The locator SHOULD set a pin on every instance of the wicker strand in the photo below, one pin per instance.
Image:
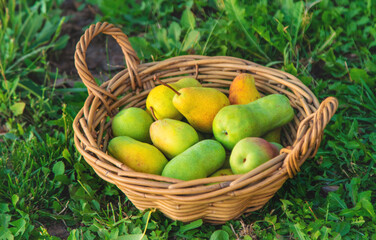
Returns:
(130, 55)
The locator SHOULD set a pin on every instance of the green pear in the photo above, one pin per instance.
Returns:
(198, 161)
(160, 99)
(199, 105)
(141, 157)
(250, 153)
(133, 122)
(222, 172)
(235, 122)
(273, 135)
(172, 137)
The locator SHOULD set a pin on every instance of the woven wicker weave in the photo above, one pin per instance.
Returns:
(230, 196)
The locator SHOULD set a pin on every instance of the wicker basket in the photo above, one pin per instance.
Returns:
(186, 201)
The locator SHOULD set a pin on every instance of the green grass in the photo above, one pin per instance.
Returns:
(329, 45)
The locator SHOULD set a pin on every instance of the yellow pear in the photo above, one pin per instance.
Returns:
(222, 172)
(141, 157)
(199, 105)
(172, 137)
(243, 89)
(160, 99)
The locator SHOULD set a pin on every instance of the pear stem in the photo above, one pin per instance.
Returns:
(165, 84)
(153, 114)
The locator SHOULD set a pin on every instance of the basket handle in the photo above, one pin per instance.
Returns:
(309, 136)
(130, 55)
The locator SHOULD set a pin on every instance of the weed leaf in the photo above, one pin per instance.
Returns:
(174, 31)
(296, 228)
(66, 155)
(336, 200)
(4, 208)
(191, 226)
(357, 75)
(192, 38)
(343, 228)
(220, 235)
(365, 201)
(58, 168)
(19, 226)
(353, 189)
(17, 108)
(188, 19)
(15, 199)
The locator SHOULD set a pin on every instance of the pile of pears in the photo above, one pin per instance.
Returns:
(190, 132)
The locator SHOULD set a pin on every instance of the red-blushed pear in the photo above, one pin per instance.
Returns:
(278, 146)
(250, 153)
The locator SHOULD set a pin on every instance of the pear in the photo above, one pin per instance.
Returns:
(243, 89)
(250, 153)
(235, 122)
(160, 99)
(198, 161)
(273, 135)
(199, 105)
(133, 122)
(141, 157)
(172, 137)
(277, 145)
(222, 172)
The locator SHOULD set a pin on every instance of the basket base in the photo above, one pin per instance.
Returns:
(218, 212)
